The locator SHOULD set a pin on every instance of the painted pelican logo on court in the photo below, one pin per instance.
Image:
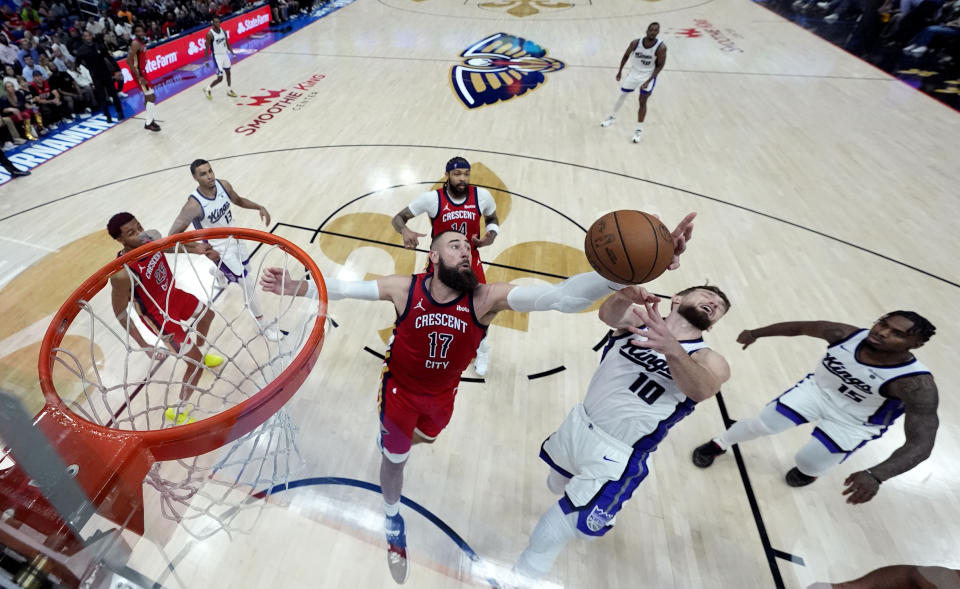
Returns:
(499, 68)
(524, 8)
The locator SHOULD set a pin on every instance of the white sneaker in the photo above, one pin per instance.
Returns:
(832, 18)
(219, 278)
(823, 5)
(231, 93)
(607, 121)
(122, 94)
(482, 363)
(208, 94)
(271, 333)
(637, 135)
(7, 145)
(918, 51)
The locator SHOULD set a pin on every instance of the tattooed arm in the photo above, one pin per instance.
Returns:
(920, 397)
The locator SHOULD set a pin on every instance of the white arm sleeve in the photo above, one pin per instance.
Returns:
(337, 289)
(425, 203)
(488, 206)
(570, 296)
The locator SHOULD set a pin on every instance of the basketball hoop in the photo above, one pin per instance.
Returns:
(116, 431)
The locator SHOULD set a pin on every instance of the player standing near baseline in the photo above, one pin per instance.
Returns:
(441, 319)
(137, 60)
(456, 206)
(218, 45)
(646, 57)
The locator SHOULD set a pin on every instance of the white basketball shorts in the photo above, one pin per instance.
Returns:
(603, 471)
(223, 61)
(836, 429)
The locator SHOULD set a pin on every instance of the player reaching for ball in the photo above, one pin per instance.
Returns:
(441, 319)
(652, 374)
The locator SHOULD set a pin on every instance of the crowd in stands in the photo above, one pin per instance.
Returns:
(58, 62)
(923, 29)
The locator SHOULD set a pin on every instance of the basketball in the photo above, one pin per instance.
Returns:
(629, 247)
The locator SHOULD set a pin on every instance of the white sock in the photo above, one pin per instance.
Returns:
(391, 510)
(618, 104)
(547, 540)
(150, 106)
(249, 284)
(484, 347)
(767, 423)
(639, 127)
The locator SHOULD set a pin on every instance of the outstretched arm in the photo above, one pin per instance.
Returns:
(825, 330)
(920, 398)
(394, 288)
(617, 310)
(246, 203)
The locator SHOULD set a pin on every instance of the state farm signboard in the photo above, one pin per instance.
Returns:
(167, 57)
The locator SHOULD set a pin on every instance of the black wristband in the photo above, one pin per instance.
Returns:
(879, 482)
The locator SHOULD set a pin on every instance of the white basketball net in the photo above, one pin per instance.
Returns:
(106, 377)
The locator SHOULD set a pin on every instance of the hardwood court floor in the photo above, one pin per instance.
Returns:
(825, 190)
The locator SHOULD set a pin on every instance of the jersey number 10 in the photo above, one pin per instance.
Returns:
(647, 390)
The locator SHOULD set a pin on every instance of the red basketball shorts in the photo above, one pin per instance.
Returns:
(182, 311)
(403, 413)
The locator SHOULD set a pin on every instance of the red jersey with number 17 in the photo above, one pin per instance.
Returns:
(433, 343)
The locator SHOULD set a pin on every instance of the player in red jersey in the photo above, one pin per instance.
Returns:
(441, 318)
(137, 61)
(183, 311)
(456, 207)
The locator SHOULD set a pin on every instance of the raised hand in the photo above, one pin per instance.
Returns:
(278, 281)
(656, 336)
(639, 295)
(265, 216)
(861, 486)
(487, 239)
(411, 239)
(681, 235)
(746, 338)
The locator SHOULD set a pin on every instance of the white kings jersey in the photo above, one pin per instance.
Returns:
(216, 210)
(219, 42)
(632, 396)
(216, 213)
(856, 388)
(643, 60)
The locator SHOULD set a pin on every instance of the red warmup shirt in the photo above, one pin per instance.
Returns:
(433, 343)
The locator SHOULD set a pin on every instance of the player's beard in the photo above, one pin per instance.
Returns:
(695, 316)
(458, 280)
(457, 190)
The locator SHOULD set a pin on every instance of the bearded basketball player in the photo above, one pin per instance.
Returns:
(441, 318)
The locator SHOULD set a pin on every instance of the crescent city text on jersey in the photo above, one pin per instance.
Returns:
(461, 214)
(441, 319)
